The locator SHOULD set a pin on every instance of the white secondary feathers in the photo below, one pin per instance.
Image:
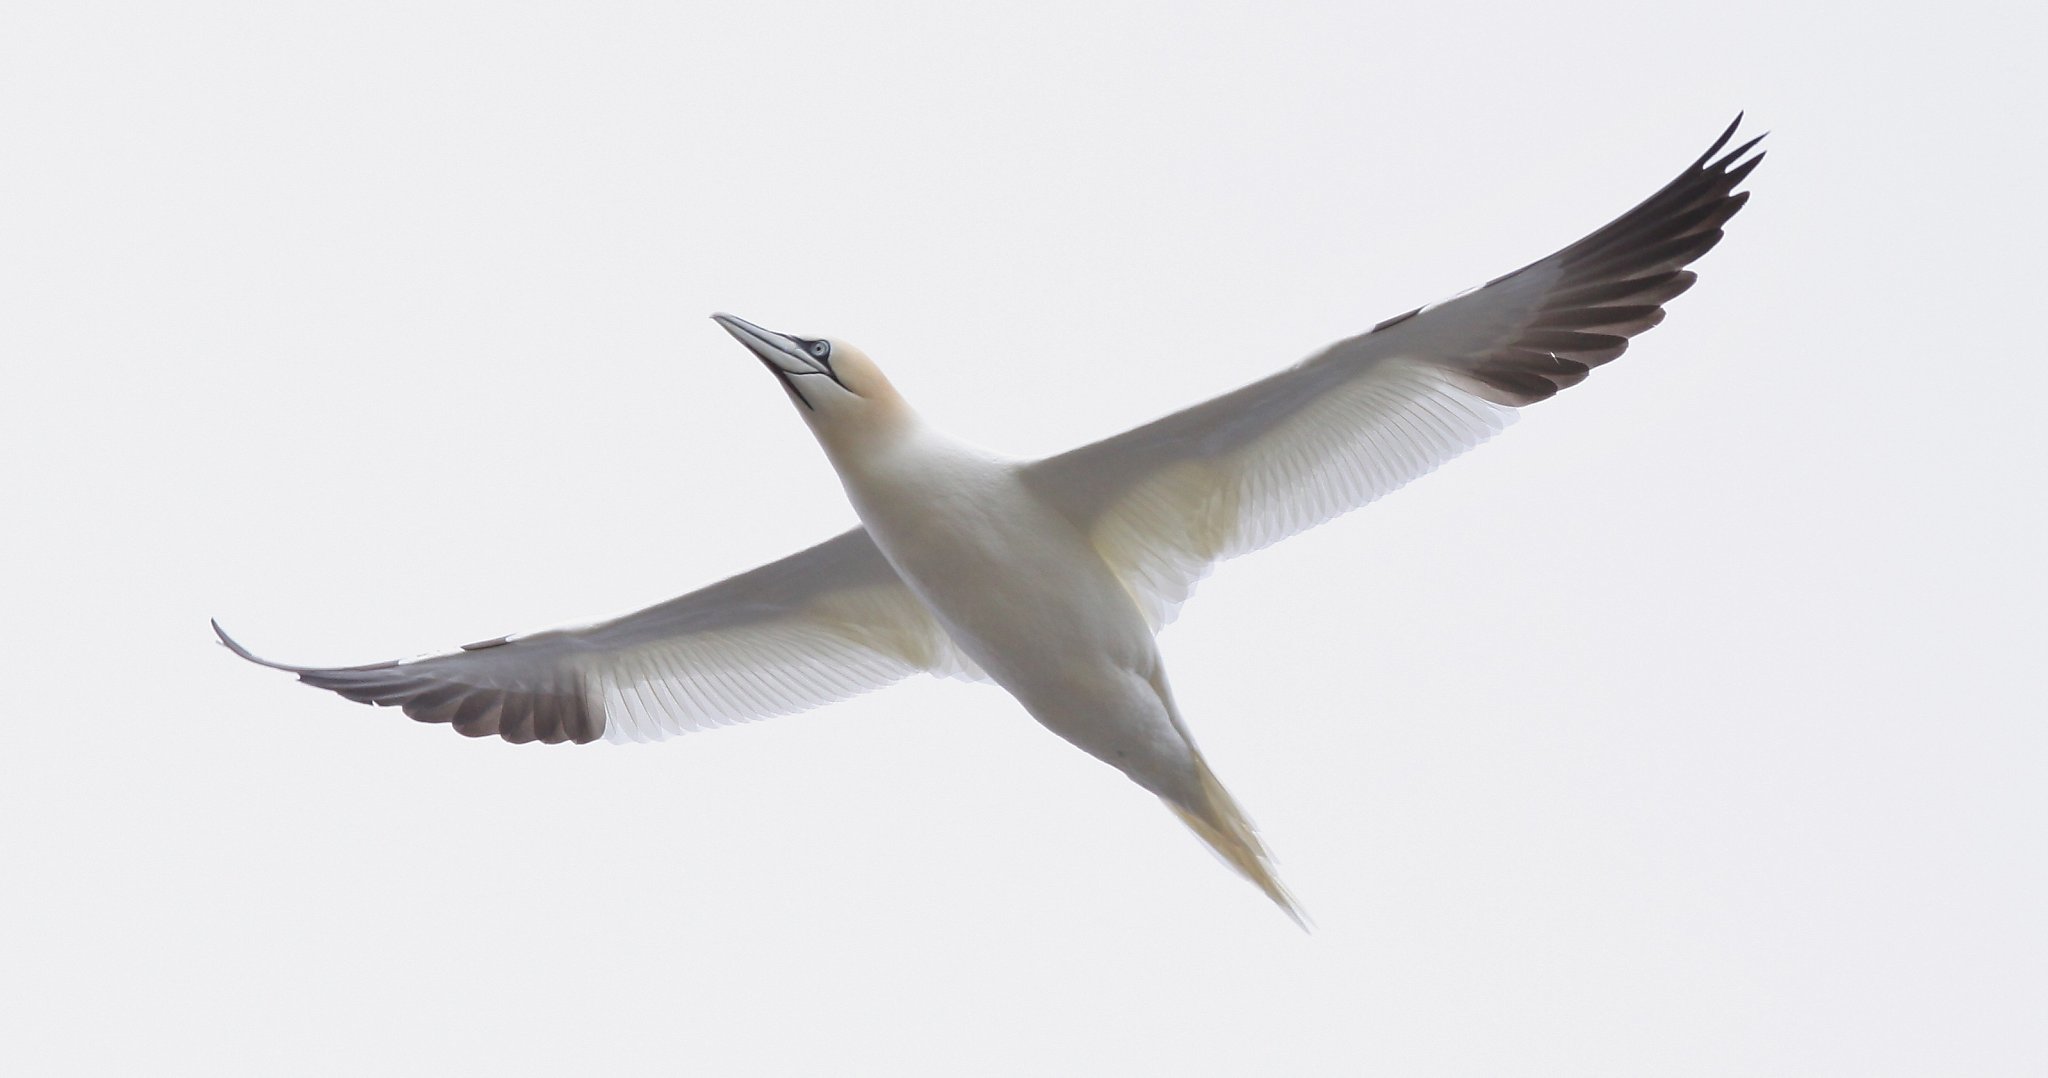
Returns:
(1370, 413)
(962, 557)
(821, 625)
(1166, 502)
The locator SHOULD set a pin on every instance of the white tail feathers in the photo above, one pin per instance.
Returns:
(1227, 830)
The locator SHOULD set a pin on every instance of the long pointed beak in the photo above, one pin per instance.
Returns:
(780, 351)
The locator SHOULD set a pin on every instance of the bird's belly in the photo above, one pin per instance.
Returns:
(1027, 597)
(1015, 584)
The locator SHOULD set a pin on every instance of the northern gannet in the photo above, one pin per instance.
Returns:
(1052, 577)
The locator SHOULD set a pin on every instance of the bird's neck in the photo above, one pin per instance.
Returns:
(876, 432)
(896, 446)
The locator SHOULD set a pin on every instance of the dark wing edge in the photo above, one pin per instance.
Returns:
(1266, 467)
(1609, 286)
(546, 702)
(1513, 341)
(571, 684)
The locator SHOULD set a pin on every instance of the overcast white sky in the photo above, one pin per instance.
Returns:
(1693, 727)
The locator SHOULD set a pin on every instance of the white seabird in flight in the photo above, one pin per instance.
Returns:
(1051, 577)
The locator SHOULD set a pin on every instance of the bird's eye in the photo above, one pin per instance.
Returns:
(819, 348)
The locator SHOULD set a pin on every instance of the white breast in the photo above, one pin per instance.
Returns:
(1020, 589)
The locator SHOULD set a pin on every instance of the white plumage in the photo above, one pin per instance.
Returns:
(1051, 577)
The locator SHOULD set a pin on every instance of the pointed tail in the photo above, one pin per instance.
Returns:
(1227, 830)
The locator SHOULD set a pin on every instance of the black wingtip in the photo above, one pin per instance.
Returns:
(229, 642)
(1741, 172)
(1719, 142)
(1735, 154)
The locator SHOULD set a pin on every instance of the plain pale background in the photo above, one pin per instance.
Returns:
(1693, 727)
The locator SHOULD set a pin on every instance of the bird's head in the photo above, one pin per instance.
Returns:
(835, 385)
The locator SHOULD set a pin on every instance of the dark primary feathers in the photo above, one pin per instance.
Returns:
(520, 700)
(820, 625)
(1162, 503)
(1167, 500)
(1613, 284)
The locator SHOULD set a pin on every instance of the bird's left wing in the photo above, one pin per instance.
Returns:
(1166, 501)
(820, 625)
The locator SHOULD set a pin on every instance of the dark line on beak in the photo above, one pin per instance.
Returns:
(789, 383)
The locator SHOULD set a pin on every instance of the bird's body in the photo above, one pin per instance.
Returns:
(1051, 577)
(1022, 592)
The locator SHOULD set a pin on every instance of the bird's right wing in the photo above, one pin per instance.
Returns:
(820, 625)
(1166, 501)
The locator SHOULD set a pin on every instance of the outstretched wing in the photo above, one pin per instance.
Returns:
(1166, 501)
(821, 625)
